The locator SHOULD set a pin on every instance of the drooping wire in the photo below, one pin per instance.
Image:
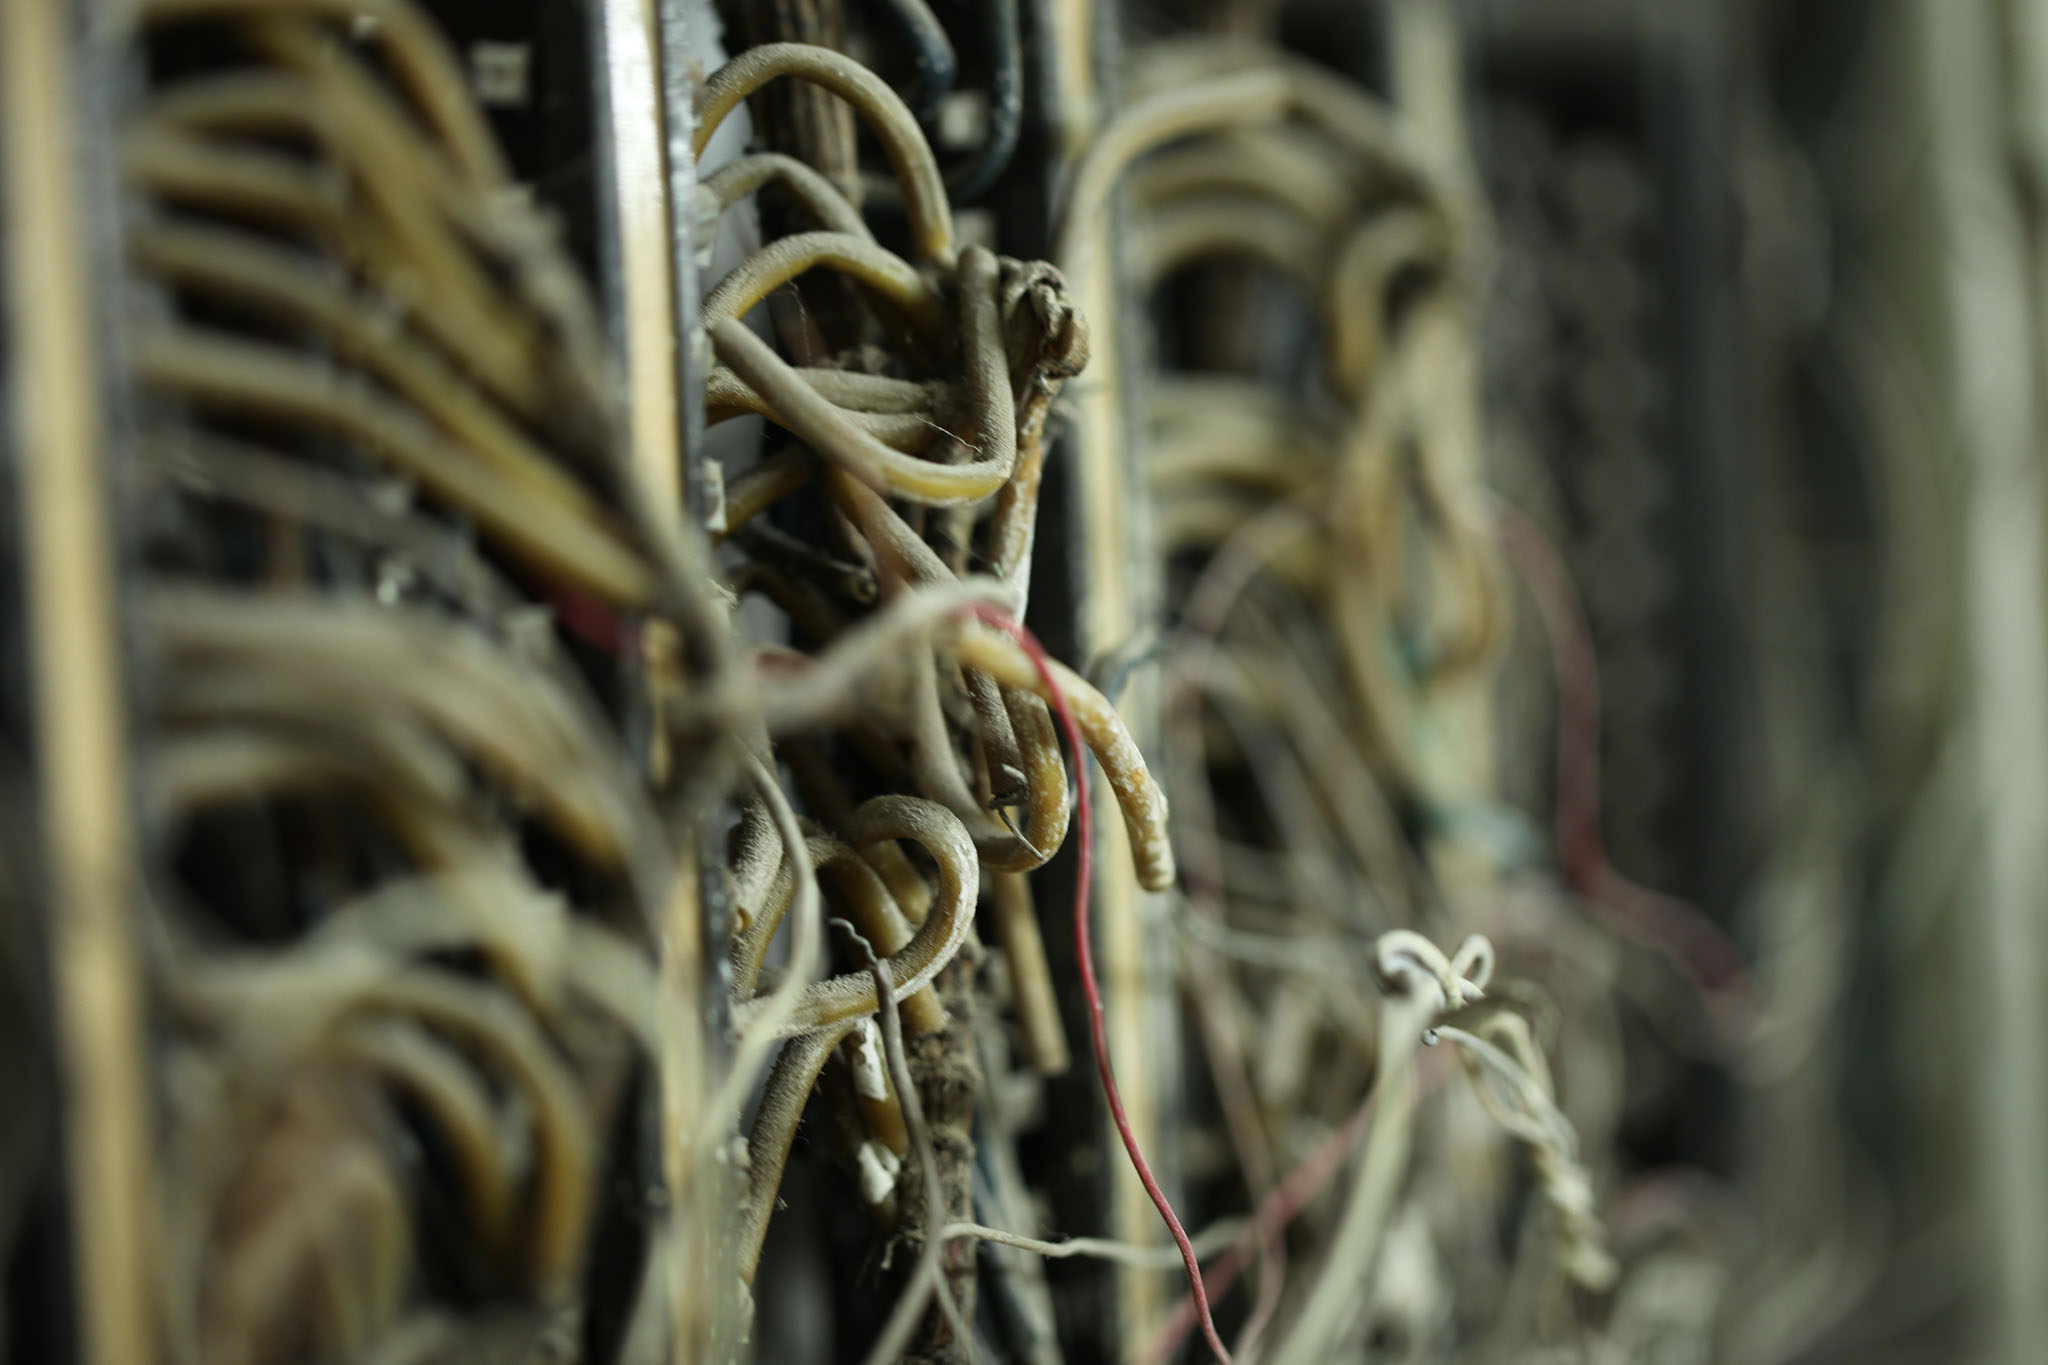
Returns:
(1709, 960)
(1085, 956)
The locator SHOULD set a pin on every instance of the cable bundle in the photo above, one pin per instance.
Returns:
(380, 438)
(1328, 547)
(924, 444)
(411, 603)
(413, 599)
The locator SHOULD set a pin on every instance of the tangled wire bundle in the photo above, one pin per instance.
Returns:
(441, 701)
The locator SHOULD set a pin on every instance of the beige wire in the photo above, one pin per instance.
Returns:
(335, 983)
(1420, 984)
(882, 272)
(825, 794)
(546, 954)
(331, 101)
(910, 565)
(254, 181)
(1272, 163)
(214, 370)
(924, 189)
(861, 672)
(289, 284)
(874, 911)
(1223, 453)
(726, 396)
(768, 1016)
(1209, 1242)
(881, 1108)
(760, 488)
(1013, 525)
(868, 395)
(1035, 1001)
(936, 771)
(1254, 96)
(939, 832)
(1048, 802)
(774, 1132)
(1210, 521)
(817, 195)
(535, 294)
(1212, 226)
(1254, 409)
(1367, 264)
(1328, 749)
(985, 362)
(466, 899)
(929, 1276)
(286, 487)
(278, 190)
(327, 657)
(903, 559)
(398, 185)
(317, 1203)
(1365, 129)
(566, 1157)
(823, 427)
(440, 1079)
(417, 51)
(1138, 794)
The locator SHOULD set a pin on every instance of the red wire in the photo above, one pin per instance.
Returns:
(1085, 953)
(1708, 958)
(1663, 922)
(1276, 1211)
(590, 620)
(1309, 1178)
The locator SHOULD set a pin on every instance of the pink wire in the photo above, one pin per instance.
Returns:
(1708, 958)
(1309, 1178)
(1085, 953)
(1276, 1211)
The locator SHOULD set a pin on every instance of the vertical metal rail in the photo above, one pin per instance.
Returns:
(82, 761)
(647, 260)
(635, 239)
(679, 80)
(698, 1198)
(1119, 592)
(1980, 277)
